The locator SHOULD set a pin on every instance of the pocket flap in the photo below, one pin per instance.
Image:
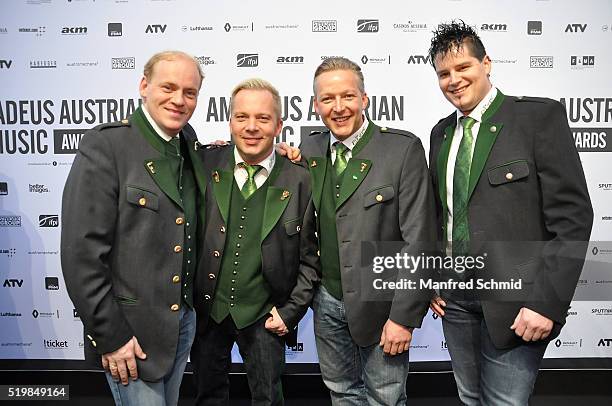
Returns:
(142, 198)
(293, 226)
(509, 172)
(379, 195)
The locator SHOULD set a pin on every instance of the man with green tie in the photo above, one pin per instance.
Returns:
(370, 183)
(509, 185)
(259, 265)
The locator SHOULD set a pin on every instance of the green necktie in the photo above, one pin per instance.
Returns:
(340, 162)
(461, 181)
(250, 186)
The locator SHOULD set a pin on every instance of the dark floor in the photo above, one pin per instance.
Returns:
(558, 388)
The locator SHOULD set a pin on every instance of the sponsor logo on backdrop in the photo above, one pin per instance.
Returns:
(6, 63)
(128, 62)
(115, 29)
(582, 282)
(290, 60)
(66, 141)
(376, 59)
(197, 28)
(534, 27)
(503, 60)
(82, 64)
(576, 28)
(592, 139)
(582, 61)
(10, 221)
(571, 312)
(9, 252)
(443, 346)
(42, 252)
(540, 62)
(9, 344)
(10, 314)
(418, 60)
(419, 347)
(600, 251)
(48, 220)
(238, 27)
(12, 283)
(602, 311)
(494, 27)
(55, 344)
(604, 342)
(324, 57)
(601, 186)
(291, 352)
(3, 30)
(568, 343)
(43, 64)
(36, 314)
(36, 31)
(74, 31)
(75, 314)
(156, 28)
(367, 25)
(434, 316)
(38, 2)
(205, 60)
(606, 218)
(283, 27)
(247, 60)
(411, 26)
(3, 188)
(52, 283)
(324, 25)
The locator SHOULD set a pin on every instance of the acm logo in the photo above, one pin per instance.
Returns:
(74, 30)
(494, 27)
(247, 60)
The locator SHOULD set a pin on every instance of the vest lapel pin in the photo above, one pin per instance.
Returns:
(363, 167)
(313, 164)
(216, 176)
(285, 194)
(151, 167)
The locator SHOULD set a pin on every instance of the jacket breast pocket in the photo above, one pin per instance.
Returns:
(142, 198)
(294, 226)
(508, 172)
(379, 195)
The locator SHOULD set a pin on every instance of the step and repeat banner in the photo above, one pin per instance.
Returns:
(68, 65)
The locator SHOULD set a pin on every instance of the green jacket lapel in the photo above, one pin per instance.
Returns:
(484, 142)
(318, 168)
(222, 182)
(163, 169)
(355, 172)
(277, 199)
(442, 164)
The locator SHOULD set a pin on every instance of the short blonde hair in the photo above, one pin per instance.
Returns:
(258, 84)
(340, 63)
(170, 56)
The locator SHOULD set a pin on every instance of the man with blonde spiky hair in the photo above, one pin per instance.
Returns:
(259, 265)
(130, 211)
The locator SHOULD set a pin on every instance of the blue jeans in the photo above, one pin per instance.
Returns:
(354, 375)
(484, 374)
(164, 392)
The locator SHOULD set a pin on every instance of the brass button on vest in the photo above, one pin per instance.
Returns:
(179, 220)
(176, 279)
(174, 307)
(178, 248)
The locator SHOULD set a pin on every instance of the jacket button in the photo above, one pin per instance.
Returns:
(216, 254)
(379, 198)
(206, 297)
(179, 220)
(211, 276)
(509, 176)
(174, 307)
(298, 228)
(222, 229)
(94, 344)
(176, 279)
(142, 201)
(493, 128)
(178, 248)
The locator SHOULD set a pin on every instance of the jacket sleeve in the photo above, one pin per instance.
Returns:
(89, 213)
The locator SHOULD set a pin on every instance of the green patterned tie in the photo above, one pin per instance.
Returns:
(250, 186)
(340, 162)
(461, 181)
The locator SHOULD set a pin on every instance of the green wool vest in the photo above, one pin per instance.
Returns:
(330, 263)
(242, 291)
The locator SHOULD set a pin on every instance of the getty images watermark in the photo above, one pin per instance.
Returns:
(408, 264)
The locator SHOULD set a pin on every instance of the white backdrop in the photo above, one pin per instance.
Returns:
(67, 65)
